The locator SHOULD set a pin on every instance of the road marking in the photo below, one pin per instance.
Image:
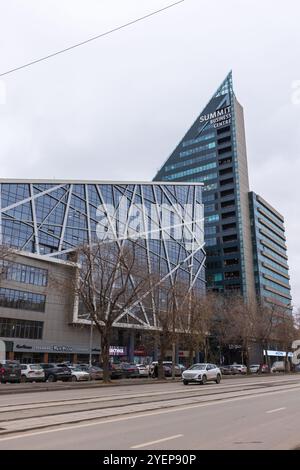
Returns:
(275, 411)
(146, 444)
(136, 416)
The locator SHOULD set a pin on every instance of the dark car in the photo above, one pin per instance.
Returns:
(54, 372)
(129, 370)
(10, 371)
(229, 370)
(116, 371)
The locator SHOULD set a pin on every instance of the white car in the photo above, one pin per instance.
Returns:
(278, 366)
(143, 370)
(78, 375)
(240, 368)
(254, 368)
(32, 373)
(202, 373)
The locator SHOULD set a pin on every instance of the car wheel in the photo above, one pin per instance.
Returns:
(185, 382)
(51, 378)
(204, 380)
(218, 379)
(23, 379)
(73, 378)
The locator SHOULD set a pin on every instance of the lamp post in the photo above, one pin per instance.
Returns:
(91, 340)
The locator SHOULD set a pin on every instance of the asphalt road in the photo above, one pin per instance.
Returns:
(245, 413)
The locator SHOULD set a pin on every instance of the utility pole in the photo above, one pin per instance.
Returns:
(91, 341)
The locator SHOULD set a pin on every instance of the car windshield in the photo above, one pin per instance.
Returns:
(198, 367)
(35, 367)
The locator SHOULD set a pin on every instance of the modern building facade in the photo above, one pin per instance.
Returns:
(271, 268)
(213, 151)
(45, 221)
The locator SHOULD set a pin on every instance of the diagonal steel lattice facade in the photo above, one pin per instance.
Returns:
(52, 218)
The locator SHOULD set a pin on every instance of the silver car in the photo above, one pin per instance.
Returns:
(32, 373)
(202, 373)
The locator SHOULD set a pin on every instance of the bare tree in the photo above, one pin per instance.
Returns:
(167, 304)
(110, 282)
(6, 259)
(197, 322)
(285, 333)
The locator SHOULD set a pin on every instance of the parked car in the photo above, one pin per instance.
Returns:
(167, 365)
(255, 368)
(116, 371)
(264, 369)
(96, 373)
(202, 373)
(129, 370)
(54, 372)
(143, 370)
(228, 370)
(32, 373)
(10, 371)
(278, 366)
(240, 368)
(178, 370)
(78, 375)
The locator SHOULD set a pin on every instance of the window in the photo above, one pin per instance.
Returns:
(212, 218)
(25, 274)
(202, 138)
(15, 328)
(228, 215)
(227, 204)
(225, 161)
(223, 140)
(191, 161)
(210, 207)
(227, 181)
(210, 230)
(223, 130)
(231, 262)
(232, 249)
(211, 242)
(229, 226)
(192, 171)
(218, 277)
(210, 146)
(229, 238)
(11, 298)
(232, 275)
(210, 187)
(224, 150)
(228, 192)
(226, 171)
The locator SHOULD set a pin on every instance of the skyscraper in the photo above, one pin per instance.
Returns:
(271, 269)
(213, 151)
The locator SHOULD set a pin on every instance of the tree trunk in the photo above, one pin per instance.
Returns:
(191, 356)
(105, 343)
(160, 368)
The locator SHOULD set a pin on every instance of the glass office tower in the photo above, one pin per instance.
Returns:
(270, 253)
(213, 151)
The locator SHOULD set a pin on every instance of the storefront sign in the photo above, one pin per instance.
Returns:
(278, 353)
(23, 346)
(117, 351)
(62, 348)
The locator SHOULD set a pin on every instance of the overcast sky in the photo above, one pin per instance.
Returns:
(116, 108)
